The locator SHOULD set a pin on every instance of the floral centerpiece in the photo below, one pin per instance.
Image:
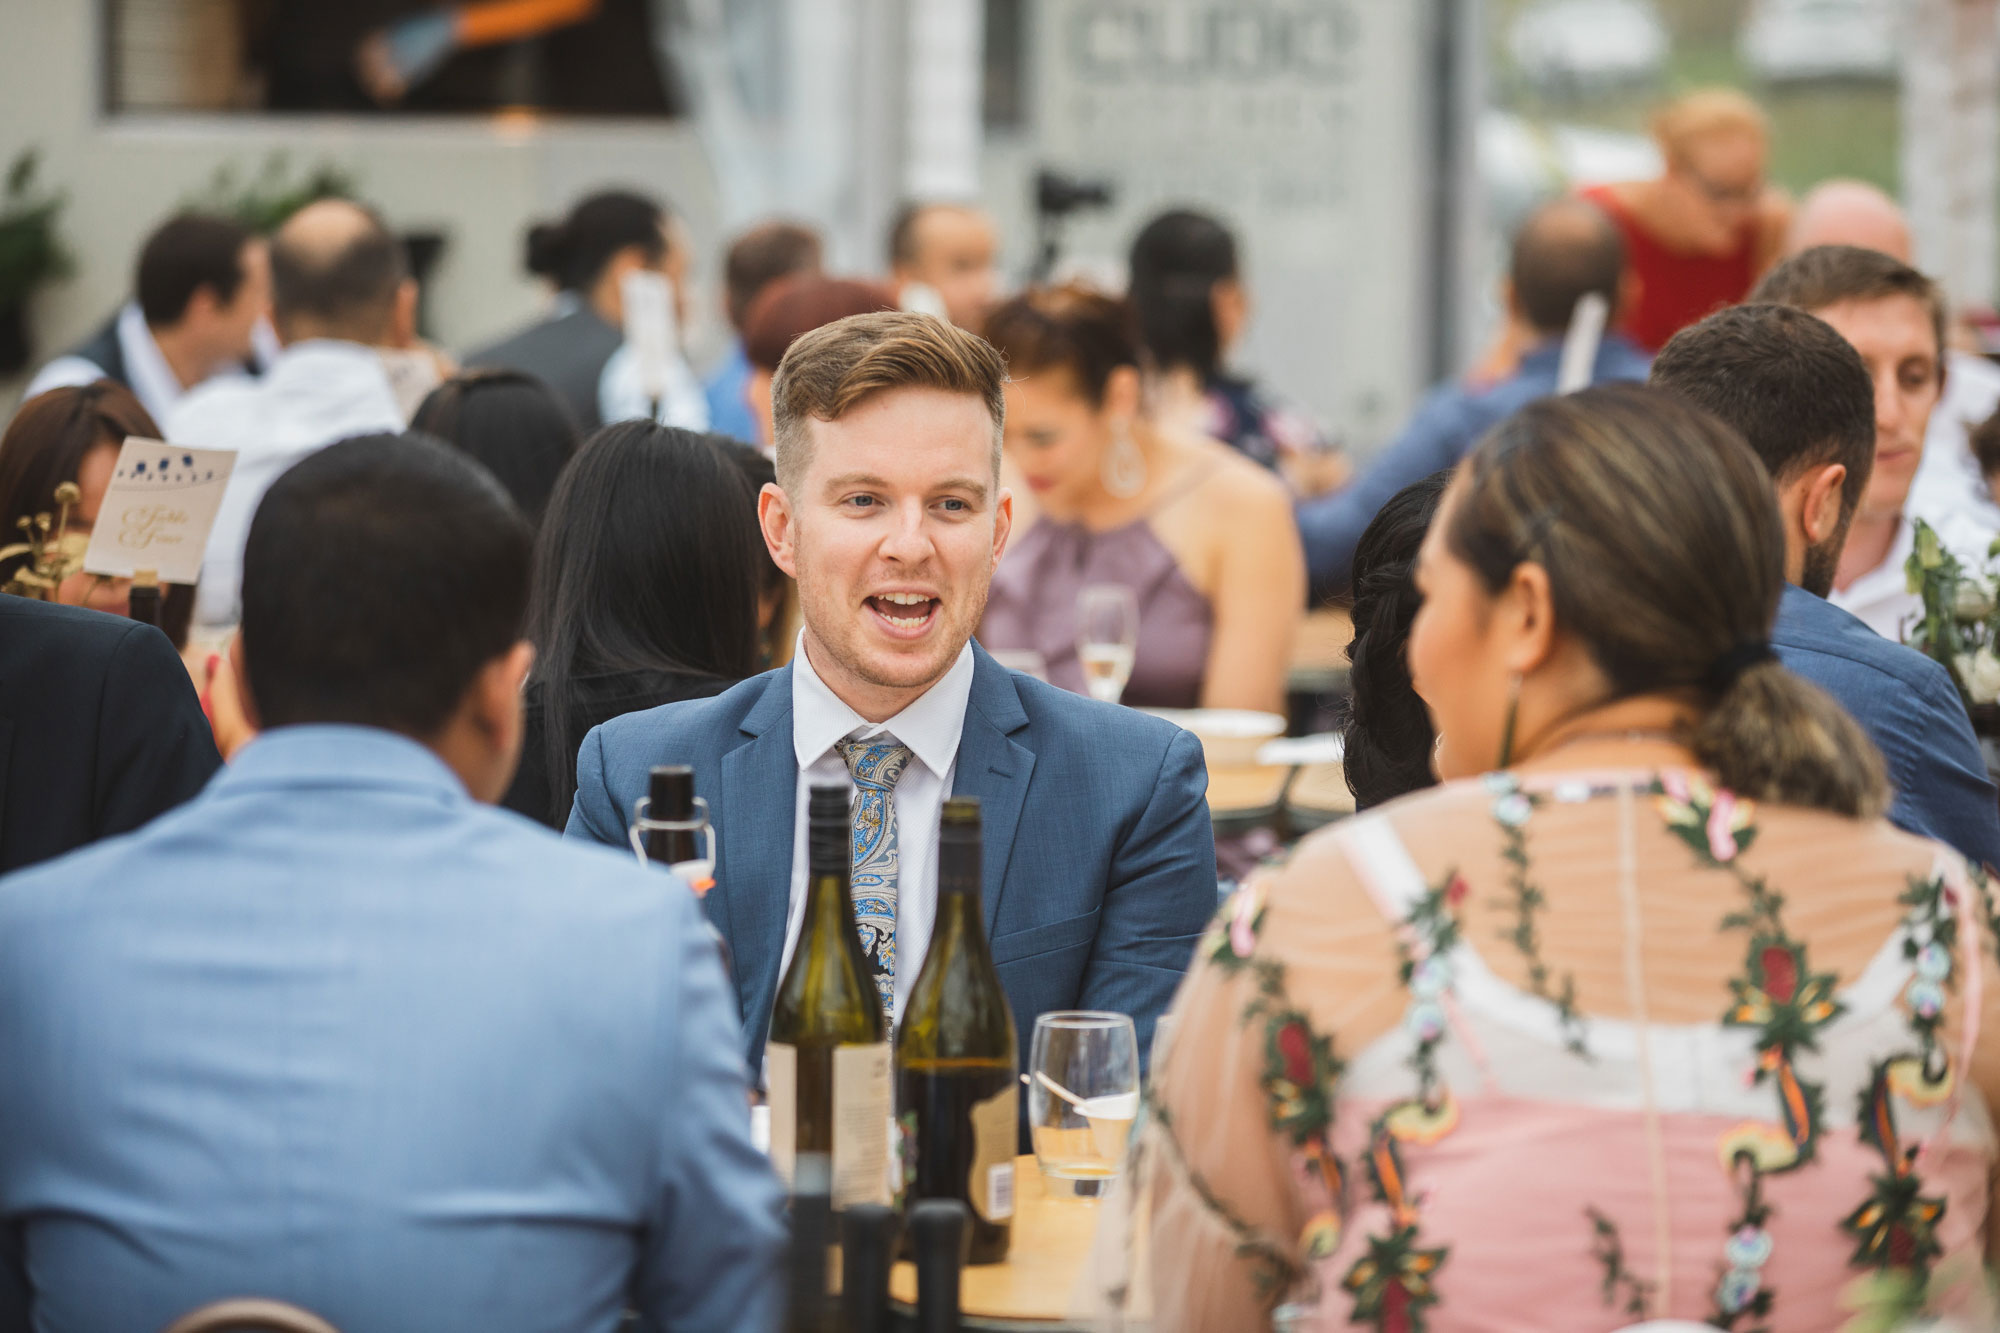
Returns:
(1960, 626)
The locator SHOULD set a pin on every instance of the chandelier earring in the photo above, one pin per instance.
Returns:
(1124, 467)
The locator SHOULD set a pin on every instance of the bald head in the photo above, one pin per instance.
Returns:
(1846, 212)
(1566, 250)
(336, 272)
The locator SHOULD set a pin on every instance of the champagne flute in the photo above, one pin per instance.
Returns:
(1083, 1094)
(1107, 633)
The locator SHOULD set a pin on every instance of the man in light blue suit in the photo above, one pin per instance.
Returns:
(1099, 863)
(339, 1033)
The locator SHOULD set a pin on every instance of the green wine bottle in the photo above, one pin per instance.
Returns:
(957, 1081)
(827, 1063)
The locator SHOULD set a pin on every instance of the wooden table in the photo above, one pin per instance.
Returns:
(1319, 654)
(1243, 798)
(1317, 796)
(1032, 1287)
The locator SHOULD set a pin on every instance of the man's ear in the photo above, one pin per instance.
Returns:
(497, 693)
(1819, 511)
(244, 702)
(774, 516)
(1003, 523)
(403, 319)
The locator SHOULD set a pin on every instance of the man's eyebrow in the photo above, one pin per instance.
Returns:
(867, 480)
(970, 485)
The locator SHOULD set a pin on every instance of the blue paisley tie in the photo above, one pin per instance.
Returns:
(875, 766)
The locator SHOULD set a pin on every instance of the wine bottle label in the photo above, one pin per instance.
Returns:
(862, 1097)
(781, 1084)
(996, 1127)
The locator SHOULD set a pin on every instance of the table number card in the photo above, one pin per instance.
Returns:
(158, 510)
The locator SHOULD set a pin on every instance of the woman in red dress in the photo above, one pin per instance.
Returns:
(1698, 235)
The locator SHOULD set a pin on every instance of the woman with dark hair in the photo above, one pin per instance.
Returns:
(587, 257)
(1203, 538)
(645, 593)
(73, 434)
(511, 422)
(1187, 289)
(1388, 732)
(777, 594)
(1651, 1017)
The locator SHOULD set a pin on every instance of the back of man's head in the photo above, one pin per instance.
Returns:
(1566, 250)
(187, 253)
(1830, 275)
(380, 575)
(1849, 212)
(336, 272)
(1789, 384)
(837, 367)
(761, 256)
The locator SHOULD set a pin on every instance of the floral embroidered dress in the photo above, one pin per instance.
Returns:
(1569, 1053)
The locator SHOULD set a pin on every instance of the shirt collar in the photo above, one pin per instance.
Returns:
(930, 726)
(333, 755)
(153, 380)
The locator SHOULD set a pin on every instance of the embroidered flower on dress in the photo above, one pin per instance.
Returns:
(1513, 809)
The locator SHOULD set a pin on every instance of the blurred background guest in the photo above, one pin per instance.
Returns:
(1698, 235)
(789, 309)
(1202, 537)
(943, 260)
(473, 1015)
(647, 578)
(515, 425)
(1949, 480)
(1565, 251)
(1894, 317)
(102, 732)
(586, 257)
(777, 591)
(341, 294)
(73, 434)
(203, 283)
(1678, 828)
(756, 259)
(1187, 290)
(1388, 737)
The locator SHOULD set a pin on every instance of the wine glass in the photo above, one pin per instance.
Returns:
(1083, 1094)
(1107, 632)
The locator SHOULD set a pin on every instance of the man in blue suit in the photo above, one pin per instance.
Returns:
(1565, 251)
(1800, 394)
(1099, 863)
(336, 1032)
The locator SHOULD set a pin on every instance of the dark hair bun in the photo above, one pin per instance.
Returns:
(548, 249)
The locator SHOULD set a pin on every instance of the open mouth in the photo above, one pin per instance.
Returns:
(905, 612)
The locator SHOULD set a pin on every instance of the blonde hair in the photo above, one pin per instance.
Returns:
(836, 367)
(1705, 113)
(1665, 557)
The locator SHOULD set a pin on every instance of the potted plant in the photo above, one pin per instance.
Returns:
(31, 254)
(270, 197)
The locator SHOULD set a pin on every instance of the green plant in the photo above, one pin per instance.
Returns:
(272, 195)
(30, 251)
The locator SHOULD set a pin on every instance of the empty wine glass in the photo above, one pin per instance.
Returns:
(1107, 633)
(1083, 1094)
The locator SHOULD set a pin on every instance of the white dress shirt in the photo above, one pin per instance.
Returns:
(152, 380)
(1881, 598)
(316, 393)
(931, 728)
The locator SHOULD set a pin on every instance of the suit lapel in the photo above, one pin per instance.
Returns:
(995, 769)
(754, 827)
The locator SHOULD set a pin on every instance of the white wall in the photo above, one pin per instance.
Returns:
(481, 181)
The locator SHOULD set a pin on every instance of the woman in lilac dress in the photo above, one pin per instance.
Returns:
(1203, 537)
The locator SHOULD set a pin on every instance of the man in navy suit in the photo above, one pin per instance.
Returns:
(1800, 394)
(1099, 866)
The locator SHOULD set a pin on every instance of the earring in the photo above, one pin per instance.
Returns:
(1507, 731)
(1124, 467)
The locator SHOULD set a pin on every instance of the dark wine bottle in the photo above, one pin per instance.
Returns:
(937, 1237)
(957, 1079)
(806, 1304)
(827, 1063)
(143, 602)
(867, 1241)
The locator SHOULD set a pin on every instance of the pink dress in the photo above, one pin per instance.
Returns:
(1572, 1054)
